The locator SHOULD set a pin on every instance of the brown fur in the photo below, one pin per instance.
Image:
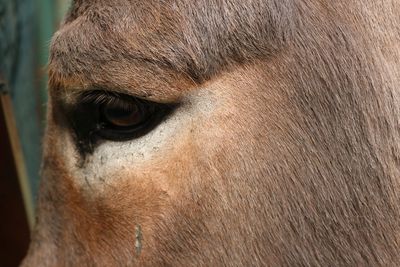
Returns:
(296, 164)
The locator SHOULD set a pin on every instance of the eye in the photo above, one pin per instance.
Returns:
(124, 115)
(102, 115)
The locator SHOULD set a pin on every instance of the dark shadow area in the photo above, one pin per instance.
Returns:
(14, 230)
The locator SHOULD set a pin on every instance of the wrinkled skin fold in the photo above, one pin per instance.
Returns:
(284, 150)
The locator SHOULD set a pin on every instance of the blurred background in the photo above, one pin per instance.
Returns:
(26, 27)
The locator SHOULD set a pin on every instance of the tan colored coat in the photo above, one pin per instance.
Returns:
(284, 149)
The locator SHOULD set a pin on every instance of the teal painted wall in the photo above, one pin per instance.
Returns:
(26, 27)
(17, 66)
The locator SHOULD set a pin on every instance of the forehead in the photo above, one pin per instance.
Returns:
(133, 18)
(133, 7)
(126, 43)
(103, 41)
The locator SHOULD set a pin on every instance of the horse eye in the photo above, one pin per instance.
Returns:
(102, 115)
(122, 117)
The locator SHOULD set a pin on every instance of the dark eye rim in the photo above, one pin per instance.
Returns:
(106, 110)
(90, 129)
(125, 133)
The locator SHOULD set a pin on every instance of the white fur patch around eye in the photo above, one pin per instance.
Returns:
(110, 158)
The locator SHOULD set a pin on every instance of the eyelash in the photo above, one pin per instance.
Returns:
(100, 97)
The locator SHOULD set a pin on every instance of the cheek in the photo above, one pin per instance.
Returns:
(121, 206)
(123, 191)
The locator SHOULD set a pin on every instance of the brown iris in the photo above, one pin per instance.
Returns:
(123, 114)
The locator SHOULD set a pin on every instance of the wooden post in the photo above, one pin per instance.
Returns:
(17, 155)
(15, 193)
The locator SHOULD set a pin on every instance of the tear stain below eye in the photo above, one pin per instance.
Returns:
(138, 239)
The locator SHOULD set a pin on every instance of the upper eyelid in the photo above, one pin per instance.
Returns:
(99, 96)
(102, 98)
(75, 96)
